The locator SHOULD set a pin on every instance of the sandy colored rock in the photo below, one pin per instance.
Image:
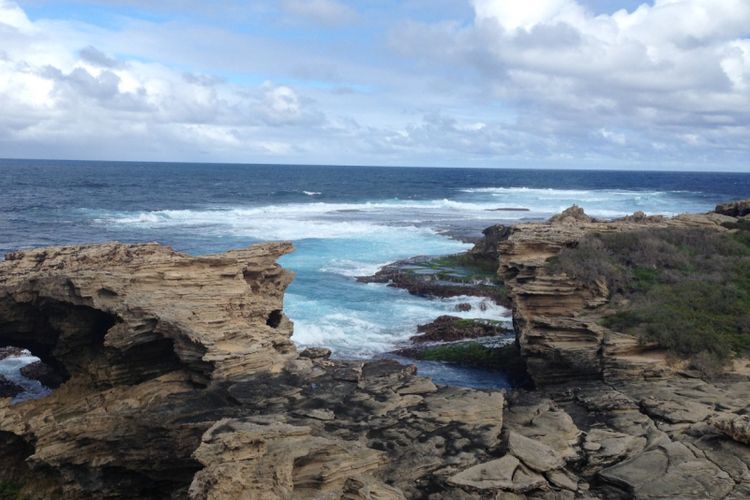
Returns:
(534, 454)
(506, 473)
(557, 318)
(735, 426)
(180, 379)
(739, 208)
(275, 461)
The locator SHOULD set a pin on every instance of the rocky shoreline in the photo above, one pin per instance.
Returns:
(181, 381)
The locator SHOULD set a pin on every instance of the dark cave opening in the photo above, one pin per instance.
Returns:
(274, 318)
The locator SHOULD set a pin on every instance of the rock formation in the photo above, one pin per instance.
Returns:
(738, 208)
(181, 380)
(557, 317)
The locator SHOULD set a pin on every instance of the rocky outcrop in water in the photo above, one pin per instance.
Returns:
(451, 328)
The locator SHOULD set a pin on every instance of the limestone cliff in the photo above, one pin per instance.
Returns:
(557, 318)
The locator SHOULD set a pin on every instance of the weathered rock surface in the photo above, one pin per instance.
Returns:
(735, 426)
(557, 317)
(180, 380)
(43, 373)
(738, 208)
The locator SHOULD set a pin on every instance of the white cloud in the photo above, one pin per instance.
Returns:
(537, 81)
(512, 15)
(670, 72)
(615, 137)
(59, 91)
(327, 12)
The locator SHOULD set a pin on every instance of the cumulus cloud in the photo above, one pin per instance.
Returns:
(493, 82)
(58, 94)
(675, 70)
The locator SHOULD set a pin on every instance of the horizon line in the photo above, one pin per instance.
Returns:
(358, 165)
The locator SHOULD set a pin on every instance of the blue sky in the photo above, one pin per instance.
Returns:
(494, 83)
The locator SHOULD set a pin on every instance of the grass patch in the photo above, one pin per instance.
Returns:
(467, 353)
(475, 269)
(506, 359)
(687, 290)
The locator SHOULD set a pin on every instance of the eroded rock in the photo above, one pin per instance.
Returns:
(181, 379)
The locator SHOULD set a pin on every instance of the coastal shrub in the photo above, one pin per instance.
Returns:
(687, 290)
(708, 365)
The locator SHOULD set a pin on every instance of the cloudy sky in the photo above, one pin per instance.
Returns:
(500, 83)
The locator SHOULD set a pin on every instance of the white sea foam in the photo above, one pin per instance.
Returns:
(312, 193)
(358, 333)
(10, 368)
(335, 220)
(352, 268)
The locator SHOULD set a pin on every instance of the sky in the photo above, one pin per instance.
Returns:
(464, 83)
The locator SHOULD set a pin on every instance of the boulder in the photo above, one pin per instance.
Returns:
(316, 353)
(571, 215)
(735, 426)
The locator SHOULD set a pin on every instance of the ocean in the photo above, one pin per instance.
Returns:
(344, 222)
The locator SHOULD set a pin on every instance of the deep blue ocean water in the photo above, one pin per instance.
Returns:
(344, 221)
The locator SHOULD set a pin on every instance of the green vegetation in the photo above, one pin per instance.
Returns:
(10, 491)
(506, 359)
(464, 268)
(467, 353)
(687, 290)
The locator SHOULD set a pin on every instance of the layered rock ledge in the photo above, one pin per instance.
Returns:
(558, 318)
(181, 381)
